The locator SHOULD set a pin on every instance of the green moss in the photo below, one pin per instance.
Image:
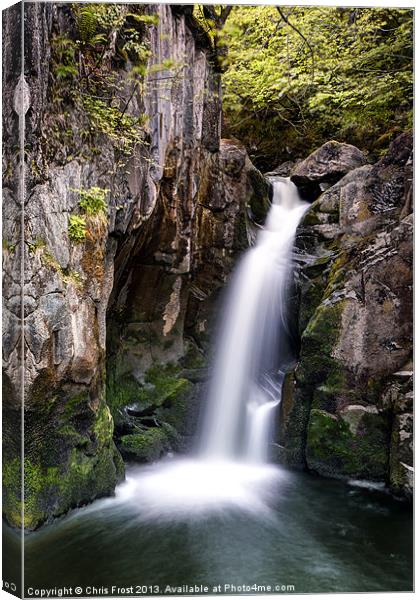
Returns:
(121, 391)
(104, 425)
(166, 386)
(164, 398)
(38, 483)
(35, 245)
(51, 491)
(75, 402)
(194, 358)
(70, 460)
(336, 445)
(320, 378)
(259, 202)
(146, 446)
(8, 246)
(311, 296)
(49, 261)
(372, 445)
(338, 274)
(328, 439)
(326, 394)
(323, 325)
(318, 341)
(12, 504)
(175, 409)
(321, 278)
(333, 449)
(163, 386)
(311, 218)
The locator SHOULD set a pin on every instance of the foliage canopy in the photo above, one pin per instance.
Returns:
(297, 76)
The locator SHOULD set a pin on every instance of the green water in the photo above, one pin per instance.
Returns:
(318, 536)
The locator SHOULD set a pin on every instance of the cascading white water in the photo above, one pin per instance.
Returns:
(259, 419)
(254, 344)
(246, 383)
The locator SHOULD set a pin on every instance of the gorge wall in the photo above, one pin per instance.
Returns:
(347, 408)
(149, 265)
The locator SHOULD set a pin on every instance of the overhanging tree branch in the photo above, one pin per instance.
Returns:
(304, 38)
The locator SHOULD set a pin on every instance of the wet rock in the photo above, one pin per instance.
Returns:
(260, 198)
(355, 319)
(401, 456)
(195, 375)
(348, 447)
(398, 398)
(327, 165)
(285, 169)
(164, 400)
(148, 446)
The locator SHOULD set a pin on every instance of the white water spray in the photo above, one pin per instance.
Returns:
(245, 389)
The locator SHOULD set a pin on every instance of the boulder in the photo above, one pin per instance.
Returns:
(326, 166)
(284, 170)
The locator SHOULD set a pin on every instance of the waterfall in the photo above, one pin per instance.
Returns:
(254, 343)
(254, 346)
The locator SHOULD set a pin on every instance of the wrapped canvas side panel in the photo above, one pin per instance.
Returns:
(13, 248)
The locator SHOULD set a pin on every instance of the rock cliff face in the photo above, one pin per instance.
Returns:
(347, 407)
(147, 264)
(162, 309)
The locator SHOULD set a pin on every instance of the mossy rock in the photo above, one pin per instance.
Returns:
(121, 392)
(327, 441)
(167, 392)
(156, 413)
(162, 385)
(401, 455)
(12, 505)
(193, 358)
(294, 412)
(337, 447)
(146, 446)
(340, 442)
(319, 377)
(259, 200)
(318, 341)
(52, 491)
(70, 460)
(312, 217)
(310, 297)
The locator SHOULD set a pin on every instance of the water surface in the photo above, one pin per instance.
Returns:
(315, 534)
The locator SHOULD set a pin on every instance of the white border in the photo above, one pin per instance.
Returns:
(345, 3)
